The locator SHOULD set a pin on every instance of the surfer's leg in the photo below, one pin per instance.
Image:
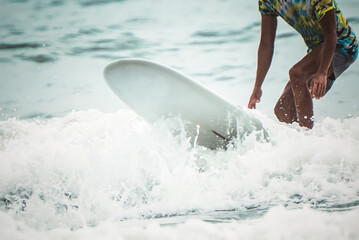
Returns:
(300, 74)
(285, 107)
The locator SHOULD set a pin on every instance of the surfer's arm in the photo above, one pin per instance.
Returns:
(319, 81)
(265, 54)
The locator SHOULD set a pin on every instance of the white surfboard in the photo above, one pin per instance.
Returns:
(156, 91)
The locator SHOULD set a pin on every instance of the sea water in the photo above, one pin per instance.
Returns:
(76, 163)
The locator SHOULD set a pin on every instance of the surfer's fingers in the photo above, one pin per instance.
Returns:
(319, 90)
(311, 87)
(252, 104)
(314, 90)
(322, 91)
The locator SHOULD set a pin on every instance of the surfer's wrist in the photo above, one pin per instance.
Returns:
(257, 88)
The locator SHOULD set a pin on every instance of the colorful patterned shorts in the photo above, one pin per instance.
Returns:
(340, 63)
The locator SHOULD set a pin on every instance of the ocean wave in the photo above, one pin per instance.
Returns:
(12, 46)
(92, 166)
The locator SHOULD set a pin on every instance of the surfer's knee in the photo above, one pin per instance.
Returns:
(296, 75)
(279, 111)
(284, 113)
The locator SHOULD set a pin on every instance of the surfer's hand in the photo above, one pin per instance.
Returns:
(255, 98)
(318, 85)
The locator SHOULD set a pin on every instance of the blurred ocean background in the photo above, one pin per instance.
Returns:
(76, 163)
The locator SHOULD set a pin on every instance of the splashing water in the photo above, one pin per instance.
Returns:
(89, 168)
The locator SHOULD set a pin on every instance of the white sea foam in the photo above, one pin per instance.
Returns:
(279, 223)
(98, 169)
